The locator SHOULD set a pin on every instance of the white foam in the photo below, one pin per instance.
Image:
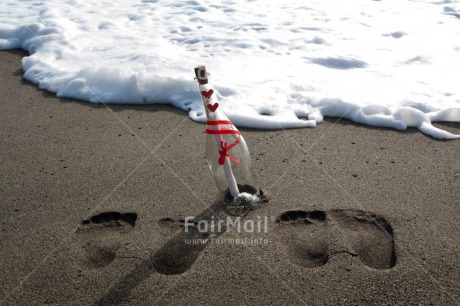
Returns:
(274, 64)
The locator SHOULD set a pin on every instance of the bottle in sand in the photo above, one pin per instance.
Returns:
(227, 152)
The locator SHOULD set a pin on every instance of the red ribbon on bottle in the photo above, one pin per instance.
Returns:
(222, 130)
(224, 152)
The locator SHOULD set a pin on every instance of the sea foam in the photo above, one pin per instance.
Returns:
(274, 64)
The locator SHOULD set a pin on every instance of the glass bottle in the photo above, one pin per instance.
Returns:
(227, 152)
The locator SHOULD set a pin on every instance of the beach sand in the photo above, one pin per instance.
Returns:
(94, 197)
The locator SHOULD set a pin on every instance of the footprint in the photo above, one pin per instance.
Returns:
(312, 237)
(369, 236)
(305, 235)
(101, 236)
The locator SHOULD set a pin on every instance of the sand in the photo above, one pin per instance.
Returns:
(94, 202)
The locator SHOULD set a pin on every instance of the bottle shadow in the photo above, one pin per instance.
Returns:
(179, 254)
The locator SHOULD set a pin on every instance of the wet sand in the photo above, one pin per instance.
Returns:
(94, 200)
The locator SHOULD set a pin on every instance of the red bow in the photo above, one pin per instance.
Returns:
(224, 152)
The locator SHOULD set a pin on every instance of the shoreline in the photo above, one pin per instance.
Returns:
(65, 161)
(443, 125)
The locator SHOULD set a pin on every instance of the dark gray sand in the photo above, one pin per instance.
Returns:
(94, 200)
